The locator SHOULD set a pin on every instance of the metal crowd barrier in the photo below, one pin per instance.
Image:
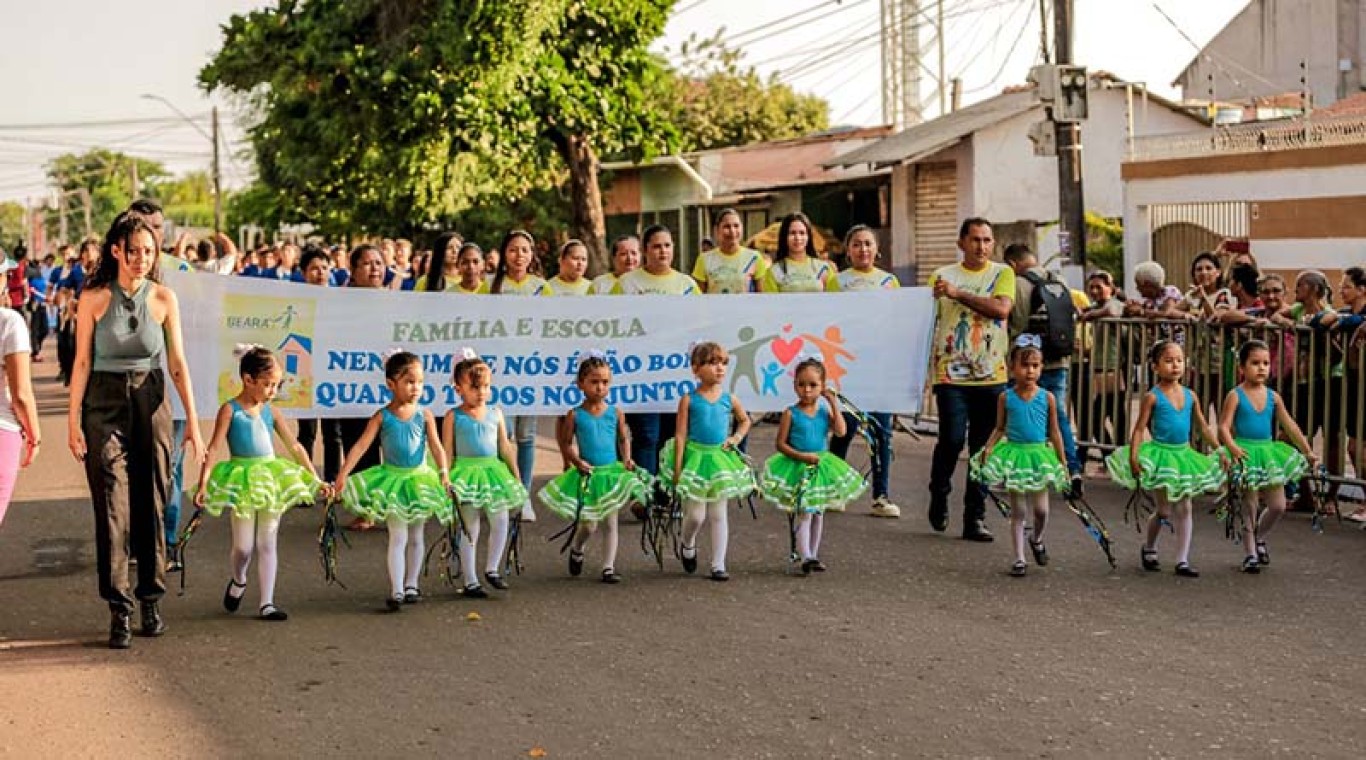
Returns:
(1318, 373)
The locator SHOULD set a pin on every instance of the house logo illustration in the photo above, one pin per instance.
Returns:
(283, 325)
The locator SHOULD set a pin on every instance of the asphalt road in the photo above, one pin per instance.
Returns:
(915, 644)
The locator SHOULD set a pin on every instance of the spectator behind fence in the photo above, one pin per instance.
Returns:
(1247, 305)
(1349, 327)
(1101, 384)
(1040, 292)
(1156, 299)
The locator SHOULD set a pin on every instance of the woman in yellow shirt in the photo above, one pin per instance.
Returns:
(625, 257)
(796, 266)
(730, 267)
(573, 263)
(443, 274)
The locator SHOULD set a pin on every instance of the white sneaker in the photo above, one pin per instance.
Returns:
(528, 514)
(884, 508)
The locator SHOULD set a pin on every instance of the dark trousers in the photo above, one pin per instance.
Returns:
(127, 424)
(37, 328)
(333, 448)
(967, 415)
(839, 446)
(649, 431)
(66, 349)
(351, 430)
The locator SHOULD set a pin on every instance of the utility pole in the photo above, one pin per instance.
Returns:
(901, 63)
(939, 29)
(217, 179)
(1071, 200)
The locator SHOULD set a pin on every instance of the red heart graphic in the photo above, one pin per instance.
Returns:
(786, 350)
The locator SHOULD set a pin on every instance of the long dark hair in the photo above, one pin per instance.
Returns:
(501, 272)
(785, 227)
(125, 226)
(436, 270)
(357, 254)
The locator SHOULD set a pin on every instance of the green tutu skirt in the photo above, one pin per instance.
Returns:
(1020, 468)
(486, 483)
(248, 485)
(413, 494)
(814, 489)
(1178, 469)
(710, 473)
(609, 489)
(1271, 463)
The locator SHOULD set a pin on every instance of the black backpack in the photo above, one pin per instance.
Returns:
(1052, 317)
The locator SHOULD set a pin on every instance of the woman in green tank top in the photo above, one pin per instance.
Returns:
(119, 419)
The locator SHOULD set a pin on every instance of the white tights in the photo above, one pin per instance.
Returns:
(697, 512)
(610, 539)
(809, 529)
(256, 535)
(497, 542)
(407, 545)
(1255, 529)
(1037, 503)
(1183, 522)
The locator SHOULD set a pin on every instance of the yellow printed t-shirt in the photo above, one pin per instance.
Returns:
(970, 349)
(603, 284)
(788, 276)
(531, 286)
(578, 287)
(453, 286)
(729, 273)
(640, 282)
(853, 279)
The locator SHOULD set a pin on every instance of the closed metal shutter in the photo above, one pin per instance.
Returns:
(936, 218)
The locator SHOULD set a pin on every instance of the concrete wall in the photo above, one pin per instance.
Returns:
(1269, 38)
(1013, 184)
(1325, 250)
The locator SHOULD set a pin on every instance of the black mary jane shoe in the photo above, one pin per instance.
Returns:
(1040, 553)
(575, 563)
(495, 580)
(610, 576)
(1185, 570)
(273, 614)
(1263, 554)
(394, 603)
(475, 591)
(233, 603)
(1018, 569)
(720, 576)
(152, 624)
(120, 630)
(412, 595)
(689, 563)
(1148, 557)
(1250, 565)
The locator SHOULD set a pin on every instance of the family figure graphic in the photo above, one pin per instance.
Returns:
(786, 350)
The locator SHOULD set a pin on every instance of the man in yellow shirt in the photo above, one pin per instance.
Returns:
(968, 365)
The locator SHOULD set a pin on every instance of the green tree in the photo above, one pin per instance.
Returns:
(1105, 244)
(107, 176)
(716, 101)
(11, 224)
(187, 200)
(396, 115)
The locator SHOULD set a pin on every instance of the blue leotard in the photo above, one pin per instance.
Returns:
(1250, 424)
(597, 435)
(709, 421)
(1026, 421)
(808, 433)
(249, 436)
(403, 443)
(1170, 425)
(477, 438)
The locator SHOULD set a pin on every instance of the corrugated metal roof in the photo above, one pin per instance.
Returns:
(936, 134)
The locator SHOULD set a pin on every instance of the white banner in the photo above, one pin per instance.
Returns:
(875, 344)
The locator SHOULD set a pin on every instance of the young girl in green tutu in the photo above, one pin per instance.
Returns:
(484, 477)
(405, 491)
(804, 477)
(1029, 461)
(254, 485)
(701, 464)
(601, 479)
(1247, 426)
(1167, 466)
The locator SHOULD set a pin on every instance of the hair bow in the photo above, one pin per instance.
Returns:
(596, 353)
(467, 353)
(1029, 340)
(242, 349)
(391, 353)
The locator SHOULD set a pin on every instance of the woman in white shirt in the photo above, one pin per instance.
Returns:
(18, 414)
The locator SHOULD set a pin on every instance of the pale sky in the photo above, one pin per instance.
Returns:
(71, 62)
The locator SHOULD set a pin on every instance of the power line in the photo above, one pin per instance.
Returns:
(96, 124)
(1204, 53)
(1005, 62)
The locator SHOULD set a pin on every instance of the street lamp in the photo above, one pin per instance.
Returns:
(213, 138)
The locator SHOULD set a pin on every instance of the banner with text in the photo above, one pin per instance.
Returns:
(331, 341)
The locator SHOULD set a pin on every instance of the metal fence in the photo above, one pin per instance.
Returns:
(1318, 373)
